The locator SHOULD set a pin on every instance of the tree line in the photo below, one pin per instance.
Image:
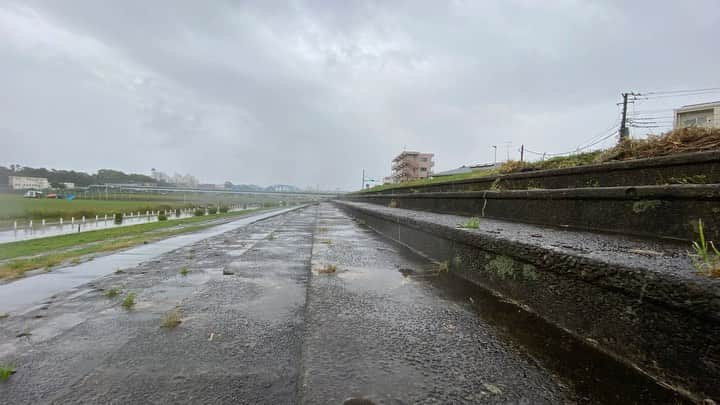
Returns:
(81, 179)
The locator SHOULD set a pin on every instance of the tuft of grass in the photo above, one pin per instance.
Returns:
(393, 204)
(171, 319)
(326, 241)
(129, 301)
(472, 223)
(119, 271)
(113, 292)
(328, 269)
(707, 256)
(184, 271)
(271, 236)
(6, 370)
(4, 315)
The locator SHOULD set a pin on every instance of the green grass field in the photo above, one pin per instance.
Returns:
(15, 207)
(16, 258)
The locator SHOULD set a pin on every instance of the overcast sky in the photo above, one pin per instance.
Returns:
(309, 93)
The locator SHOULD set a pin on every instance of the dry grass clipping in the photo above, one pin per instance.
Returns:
(328, 269)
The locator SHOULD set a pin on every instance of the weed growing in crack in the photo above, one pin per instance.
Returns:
(129, 301)
(184, 271)
(707, 256)
(472, 223)
(6, 370)
(113, 292)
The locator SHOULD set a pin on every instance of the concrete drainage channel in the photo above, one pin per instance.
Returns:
(637, 303)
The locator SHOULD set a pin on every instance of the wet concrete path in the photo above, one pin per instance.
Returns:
(378, 329)
(260, 325)
(20, 294)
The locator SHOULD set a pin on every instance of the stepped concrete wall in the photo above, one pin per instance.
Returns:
(669, 212)
(639, 302)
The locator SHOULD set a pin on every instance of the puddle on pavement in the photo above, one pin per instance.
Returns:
(20, 294)
(595, 377)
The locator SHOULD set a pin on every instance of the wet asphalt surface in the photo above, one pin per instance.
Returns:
(262, 325)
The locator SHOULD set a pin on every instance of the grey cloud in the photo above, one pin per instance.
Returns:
(311, 92)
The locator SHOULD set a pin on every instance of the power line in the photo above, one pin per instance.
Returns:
(682, 91)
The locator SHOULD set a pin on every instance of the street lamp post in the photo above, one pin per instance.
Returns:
(495, 158)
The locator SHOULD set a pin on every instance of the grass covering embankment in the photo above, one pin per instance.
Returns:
(16, 258)
(683, 140)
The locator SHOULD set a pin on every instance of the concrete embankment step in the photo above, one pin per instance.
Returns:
(668, 212)
(638, 301)
(686, 168)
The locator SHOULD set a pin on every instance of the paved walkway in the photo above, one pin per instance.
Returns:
(261, 325)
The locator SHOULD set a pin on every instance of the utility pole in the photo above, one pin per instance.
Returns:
(362, 187)
(624, 132)
(522, 152)
(495, 158)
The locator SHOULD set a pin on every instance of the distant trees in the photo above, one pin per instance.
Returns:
(80, 179)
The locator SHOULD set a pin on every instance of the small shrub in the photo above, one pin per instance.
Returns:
(223, 209)
(6, 370)
(129, 301)
(212, 210)
(171, 319)
(184, 271)
(118, 218)
(328, 269)
(162, 217)
(199, 212)
(113, 292)
(707, 256)
(472, 223)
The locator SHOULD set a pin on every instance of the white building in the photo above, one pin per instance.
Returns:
(68, 185)
(25, 183)
(705, 115)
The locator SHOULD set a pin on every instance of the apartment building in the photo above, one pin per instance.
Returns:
(411, 166)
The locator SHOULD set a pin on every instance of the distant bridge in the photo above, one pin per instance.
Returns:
(165, 189)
